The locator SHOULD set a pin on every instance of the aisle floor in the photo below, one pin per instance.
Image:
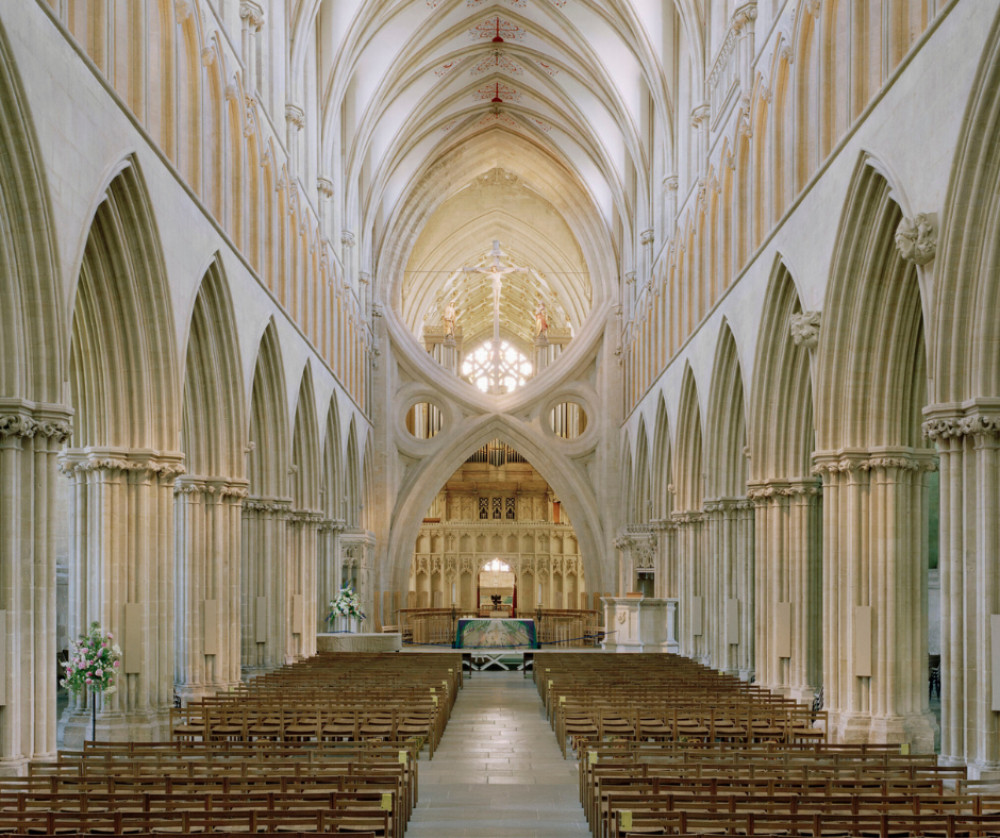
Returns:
(498, 772)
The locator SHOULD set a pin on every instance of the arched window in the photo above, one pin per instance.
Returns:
(497, 566)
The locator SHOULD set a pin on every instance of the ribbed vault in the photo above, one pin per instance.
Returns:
(464, 122)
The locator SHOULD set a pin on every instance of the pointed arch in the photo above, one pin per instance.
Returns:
(421, 485)
(34, 424)
(965, 326)
(123, 375)
(213, 424)
(352, 478)
(964, 422)
(367, 487)
(640, 510)
(688, 465)
(783, 431)
(268, 469)
(661, 487)
(32, 318)
(332, 478)
(727, 422)
(628, 477)
(872, 378)
(872, 386)
(305, 489)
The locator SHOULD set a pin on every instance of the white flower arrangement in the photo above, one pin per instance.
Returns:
(346, 604)
(94, 660)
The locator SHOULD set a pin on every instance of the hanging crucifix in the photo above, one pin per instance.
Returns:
(496, 274)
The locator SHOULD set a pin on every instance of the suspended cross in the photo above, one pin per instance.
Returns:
(495, 272)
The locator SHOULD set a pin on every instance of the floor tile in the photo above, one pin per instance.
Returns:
(498, 772)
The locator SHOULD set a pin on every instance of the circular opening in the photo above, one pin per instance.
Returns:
(497, 367)
(424, 420)
(568, 420)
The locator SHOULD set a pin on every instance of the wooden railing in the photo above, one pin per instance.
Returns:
(560, 627)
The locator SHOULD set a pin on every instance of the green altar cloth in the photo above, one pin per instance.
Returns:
(496, 634)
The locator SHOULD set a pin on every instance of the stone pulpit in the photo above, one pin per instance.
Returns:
(640, 624)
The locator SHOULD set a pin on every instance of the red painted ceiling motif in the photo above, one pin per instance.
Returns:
(498, 92)
(498, 30)
(498, 118)
(517, 4)
(497, 61)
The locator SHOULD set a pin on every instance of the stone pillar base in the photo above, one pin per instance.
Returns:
(148, 726)
(14, 766)
(802, 694)
(918, 731)
(194, 692)
(984, 771)
(851, 729)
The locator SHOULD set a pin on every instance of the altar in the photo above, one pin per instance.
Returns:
(496, 633)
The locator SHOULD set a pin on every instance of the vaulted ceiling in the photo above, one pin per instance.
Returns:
(461, 122)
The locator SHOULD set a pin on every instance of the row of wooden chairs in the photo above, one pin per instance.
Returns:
(277, 768)
(670, 748)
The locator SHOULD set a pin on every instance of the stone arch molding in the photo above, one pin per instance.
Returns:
(425, 479)
(570, 366)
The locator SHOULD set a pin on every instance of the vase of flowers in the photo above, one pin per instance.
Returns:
(345, 611)
(94, 661)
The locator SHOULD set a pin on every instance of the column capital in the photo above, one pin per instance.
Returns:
(767, 490)
(160, 464)
(220, 488)
(279, 506)
(855, 460)
(252, 13)
(980, 418)
(25, 420)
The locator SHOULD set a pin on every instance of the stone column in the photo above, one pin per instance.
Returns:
(968, 441)
(263, 584)
(30, 438)
(728, 603)
(693, 640)
(874, 594)
(301, 571)
(121, 562)
(788, 574)
(207, 518)
(327, 570)
(252, 17)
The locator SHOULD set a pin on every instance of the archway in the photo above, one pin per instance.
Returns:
(496, 589)
(872, 386)
(496, 509)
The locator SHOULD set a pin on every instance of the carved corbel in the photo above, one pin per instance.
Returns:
(295, 116)
(805, 329)
(252, 13)
(916, 238)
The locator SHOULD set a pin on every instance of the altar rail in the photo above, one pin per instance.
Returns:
(564, 628)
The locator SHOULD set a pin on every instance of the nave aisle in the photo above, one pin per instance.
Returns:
(498, 772)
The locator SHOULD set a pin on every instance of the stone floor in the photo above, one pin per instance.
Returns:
(498, 772)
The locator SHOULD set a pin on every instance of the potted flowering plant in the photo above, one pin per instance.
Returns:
(346, 605)
(94, 661)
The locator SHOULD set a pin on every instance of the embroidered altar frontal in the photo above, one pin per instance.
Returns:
(496, 634)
